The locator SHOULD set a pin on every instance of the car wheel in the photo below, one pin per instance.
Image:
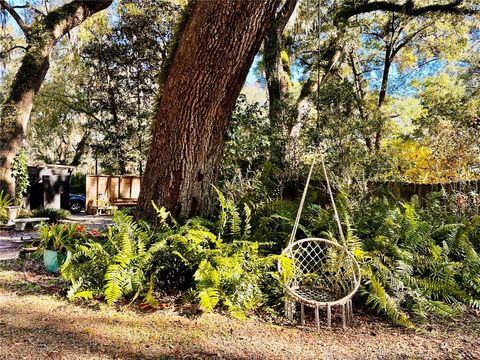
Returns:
(76, 207)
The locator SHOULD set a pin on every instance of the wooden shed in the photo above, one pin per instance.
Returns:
(49, 186)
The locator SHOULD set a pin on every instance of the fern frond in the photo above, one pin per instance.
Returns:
(247, 228)
(209, 298)
(115, 283)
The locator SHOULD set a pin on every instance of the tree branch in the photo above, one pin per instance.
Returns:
(29, 6)
(4, 53)
(5, 5)
(379, 36)
(81, 149)
(285, 14)
(72, 14)
(407, 40)
(408, 8)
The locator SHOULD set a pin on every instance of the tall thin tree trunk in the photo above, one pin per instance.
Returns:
(360, 92)
(41, 36)
(209, 67)
(383, 94)
(278, 91)
(81, 149)
(277, 81)
(273, 71)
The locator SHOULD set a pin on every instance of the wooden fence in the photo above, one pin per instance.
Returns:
(125, 189)
(405, 191)
(401, 190)
(113, 189)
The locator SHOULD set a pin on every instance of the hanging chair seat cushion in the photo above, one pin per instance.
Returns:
(320, 272)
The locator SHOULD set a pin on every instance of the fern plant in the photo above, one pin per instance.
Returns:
(116, 266)
(411, 267)
(231, 275)
(231, 272)
(231, 223)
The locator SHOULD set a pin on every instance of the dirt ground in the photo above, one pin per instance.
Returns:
(36, 323)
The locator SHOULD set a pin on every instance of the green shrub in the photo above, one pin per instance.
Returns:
(3, 216)
(55, 215)
(413, 264)
(5, 200)
(413, 267)
(231, 275)
(416, 261)
(113, 263)
(130, 259)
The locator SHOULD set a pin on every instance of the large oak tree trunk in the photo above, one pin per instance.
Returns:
(41, 36)
(16, 112)
(209, 67)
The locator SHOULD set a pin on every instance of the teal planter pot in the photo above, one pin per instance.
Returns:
(51, 260)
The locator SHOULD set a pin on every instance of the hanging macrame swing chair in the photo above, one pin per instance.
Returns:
(319, 273)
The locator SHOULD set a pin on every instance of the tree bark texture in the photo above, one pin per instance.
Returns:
(209, 67)
(41, 37)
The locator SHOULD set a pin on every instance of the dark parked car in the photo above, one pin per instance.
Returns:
(76, 203)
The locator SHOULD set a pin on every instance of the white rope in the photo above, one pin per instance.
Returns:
(337, 217)
(302, 202)
(329, 189)
(304, 196)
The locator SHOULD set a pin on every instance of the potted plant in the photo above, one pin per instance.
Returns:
(3, 216)
(12, 212)
(9, 213)
(57, 241)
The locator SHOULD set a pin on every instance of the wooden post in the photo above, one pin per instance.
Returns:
(302, 314)
(350, 309)
(289, 308)
(131, 183)
(329, 315)
(119, 187)
(97, 179)
(317, 317)
(347, 312)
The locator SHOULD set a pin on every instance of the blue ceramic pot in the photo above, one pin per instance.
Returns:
(51, 260)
